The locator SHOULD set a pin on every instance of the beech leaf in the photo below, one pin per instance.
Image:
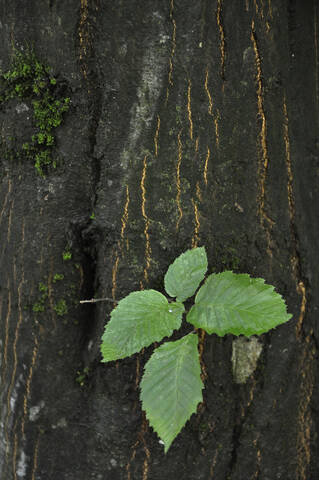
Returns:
(138, 320)
(237, 303)
(185, 274)
(171, 387)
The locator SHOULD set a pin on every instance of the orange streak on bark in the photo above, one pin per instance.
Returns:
(258, 455)
(35, 457)
(196, 144)
(195, 238)
(270, 9)
(114, 277)
(124, 219)
(266, 222)
(201, 343)
(189, 110)
(302, 291)
(170, 62)
(178, 180)
(157, 135)
(14, 370)
(120, 245)
(307, 355)
(216, 120)
(215, 116)
(198, 192)
(210, 101)
(222, 43)
(140, 440)
(148, 249)
(206, 165)
(295, 261)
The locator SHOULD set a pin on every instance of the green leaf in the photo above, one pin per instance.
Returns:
(237, 304)
(139, 319)
(171, 387)
(185, 274)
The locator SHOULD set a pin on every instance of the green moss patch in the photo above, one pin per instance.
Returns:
(30, 80)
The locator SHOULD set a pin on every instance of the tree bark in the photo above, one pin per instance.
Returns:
(191, 123)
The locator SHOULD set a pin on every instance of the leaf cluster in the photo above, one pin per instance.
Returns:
(226, 303)
(29, 79)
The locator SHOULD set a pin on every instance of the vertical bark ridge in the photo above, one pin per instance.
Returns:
(27, 392)
(172, 53)
(4, 361)
(6, 244)
(15, 450)
(211, 111)
(84, 38)
(115, 254)
(258, 459)
(295, 257)
(147, 453)
(316, 51)
(195, 238)
(16, 337)
(7, 195)
(213, 464)
(206, 166)
(270, 12)
(259, 8)
(307, 382)
(140, 441)
(119, 251)
(50, 295)
(156, 136)
(148, 249)
(265, 220)
(132, 457)
(209, 96)
(178, 180)
(35, 456)
(222, 40)
(124, 221)
(306, 367)
(189, 109)
(11, 377)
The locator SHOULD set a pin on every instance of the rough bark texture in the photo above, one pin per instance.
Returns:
(191, 123)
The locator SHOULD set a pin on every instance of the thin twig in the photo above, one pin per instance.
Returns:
(107, 299)
(94, 300)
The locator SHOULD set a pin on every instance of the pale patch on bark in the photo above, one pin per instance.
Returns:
(143, 111)
(246, 352)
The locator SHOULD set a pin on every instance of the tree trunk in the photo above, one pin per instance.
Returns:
(191, 123)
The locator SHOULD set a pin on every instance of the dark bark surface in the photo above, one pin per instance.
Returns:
(191, 123)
